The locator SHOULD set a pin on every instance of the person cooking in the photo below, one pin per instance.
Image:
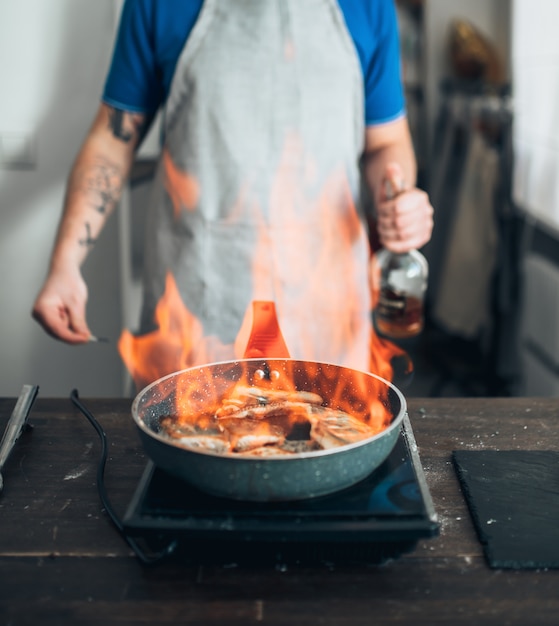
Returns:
(275, 114)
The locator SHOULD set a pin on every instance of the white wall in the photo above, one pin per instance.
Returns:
(536, 95)
(535, 55)
(53, 59)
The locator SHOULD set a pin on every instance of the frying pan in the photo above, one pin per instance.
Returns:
(292, 477)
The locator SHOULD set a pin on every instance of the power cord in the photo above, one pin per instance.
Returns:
(144, 558)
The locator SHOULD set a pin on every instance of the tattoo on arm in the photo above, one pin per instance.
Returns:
(126, 126)
(103, 186)
(89, 241)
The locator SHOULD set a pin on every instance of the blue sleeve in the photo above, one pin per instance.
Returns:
(150, 38)
(132, 83)
(152, 34)
(373, 27)
(384, 92)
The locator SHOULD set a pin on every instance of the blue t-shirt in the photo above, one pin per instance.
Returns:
(152, 34)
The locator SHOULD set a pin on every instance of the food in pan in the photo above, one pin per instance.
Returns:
(254, 421)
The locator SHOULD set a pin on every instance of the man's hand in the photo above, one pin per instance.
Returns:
(60, 307)
(405, 215)
(406, 221)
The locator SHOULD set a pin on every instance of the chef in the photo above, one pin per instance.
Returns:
(275, 115)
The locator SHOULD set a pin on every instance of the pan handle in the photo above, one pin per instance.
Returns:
(265, 339)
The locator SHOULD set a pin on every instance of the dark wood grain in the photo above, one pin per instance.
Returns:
(62, 561)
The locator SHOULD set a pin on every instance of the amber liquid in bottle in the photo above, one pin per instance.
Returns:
(403, 283)
(404, 320)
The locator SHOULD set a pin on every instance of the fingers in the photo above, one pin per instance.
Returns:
(405, 222)
(394, 182)
(61, 322)
(60, 310)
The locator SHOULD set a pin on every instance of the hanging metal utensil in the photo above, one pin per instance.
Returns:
(16, 424)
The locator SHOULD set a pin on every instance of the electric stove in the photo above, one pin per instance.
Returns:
(379, 518)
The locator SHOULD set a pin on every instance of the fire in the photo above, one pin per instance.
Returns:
(181, 187)
(199, 393)
(273, 406)
(179, 342)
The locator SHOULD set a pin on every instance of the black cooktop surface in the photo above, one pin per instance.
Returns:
(380, 517)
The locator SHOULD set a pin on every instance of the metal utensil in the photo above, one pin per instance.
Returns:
(16, 423)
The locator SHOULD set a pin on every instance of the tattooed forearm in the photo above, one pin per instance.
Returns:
(126, 126)
(103, 186)
(89, 241)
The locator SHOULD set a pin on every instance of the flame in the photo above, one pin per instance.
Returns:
(182, 188)
(178, 341)
(199, 393)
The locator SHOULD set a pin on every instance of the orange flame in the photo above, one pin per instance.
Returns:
(178, 340)
(199, 395)
(182, 188)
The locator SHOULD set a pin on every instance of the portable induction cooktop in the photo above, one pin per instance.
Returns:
(381, 517)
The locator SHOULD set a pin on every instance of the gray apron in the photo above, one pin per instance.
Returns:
(256, 194)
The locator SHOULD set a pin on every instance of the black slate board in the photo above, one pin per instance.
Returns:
(513, 498)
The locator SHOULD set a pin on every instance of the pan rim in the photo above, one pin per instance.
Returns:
(241, 458)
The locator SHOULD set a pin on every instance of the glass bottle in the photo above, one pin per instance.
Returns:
(402, 286)
(403, 283)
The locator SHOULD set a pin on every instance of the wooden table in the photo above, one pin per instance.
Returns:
(62, 561)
